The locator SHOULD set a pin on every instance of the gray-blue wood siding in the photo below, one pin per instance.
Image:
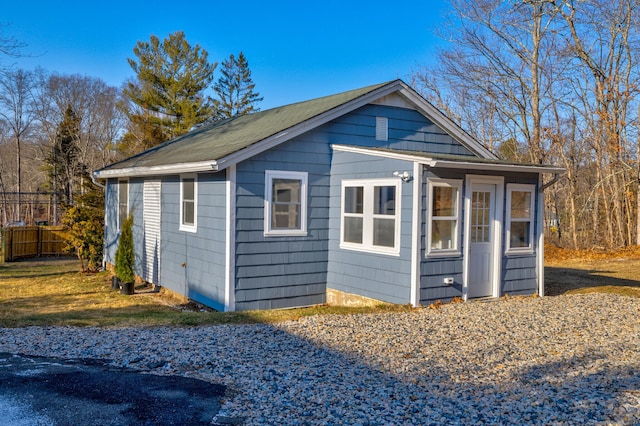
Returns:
(279, 272)
(193, 263)
(273, 271)
(408, 130)
(378, 276)
(518, 275)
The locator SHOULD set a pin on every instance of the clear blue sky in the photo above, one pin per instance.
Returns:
(297, 50)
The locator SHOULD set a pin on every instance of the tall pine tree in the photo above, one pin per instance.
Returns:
(167, 97)
(235, 89)
(66, 169)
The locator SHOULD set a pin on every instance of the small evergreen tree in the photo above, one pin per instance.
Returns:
(124, 254)
(85, 228)
(235, 89)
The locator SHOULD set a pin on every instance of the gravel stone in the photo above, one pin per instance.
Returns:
(571, 359)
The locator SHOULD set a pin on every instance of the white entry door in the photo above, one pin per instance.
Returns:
(481, 240)
(151, 221)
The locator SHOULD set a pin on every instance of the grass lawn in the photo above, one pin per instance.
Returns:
(53, 292)
(585, 271)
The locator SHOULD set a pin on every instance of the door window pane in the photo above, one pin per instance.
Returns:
(480, 211)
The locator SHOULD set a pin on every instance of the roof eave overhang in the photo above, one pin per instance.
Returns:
(451, 164)
(201, 166)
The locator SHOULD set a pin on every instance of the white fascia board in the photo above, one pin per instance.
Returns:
(450, 164)
(306, 126)
(385, 154)
(201, 166)
(445, 123)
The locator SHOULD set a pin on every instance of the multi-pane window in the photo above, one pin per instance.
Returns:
(285, 203)
(444, 217)
(520, 214)
(123, 201)
(480, 216)
(370, 215)
(188, 206)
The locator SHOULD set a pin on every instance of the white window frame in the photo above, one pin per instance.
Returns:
(456, 250)
(368, 198)
(189, 227)
(269, 176)
(118, 219)
(517, 187)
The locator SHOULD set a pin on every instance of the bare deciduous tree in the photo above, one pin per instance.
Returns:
(15, 88)
(559, 78)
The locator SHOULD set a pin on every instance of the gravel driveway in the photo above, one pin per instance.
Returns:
(570, 359)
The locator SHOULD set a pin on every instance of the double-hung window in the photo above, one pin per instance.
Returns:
(285, 207)
(520, 213)
(123, 202)
(188, 203)
(444, 199)
(371, 215)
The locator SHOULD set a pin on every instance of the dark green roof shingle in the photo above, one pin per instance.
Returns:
(220, 139)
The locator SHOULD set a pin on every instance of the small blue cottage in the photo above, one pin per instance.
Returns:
(371, 192)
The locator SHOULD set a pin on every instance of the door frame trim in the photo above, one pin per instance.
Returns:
(496, 262)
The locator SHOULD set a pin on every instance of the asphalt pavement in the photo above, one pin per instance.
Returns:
(58, 392)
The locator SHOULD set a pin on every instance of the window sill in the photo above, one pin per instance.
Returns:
(443, 253)
(371, 250)
(186, 228)
(519, 252)
(283, 233)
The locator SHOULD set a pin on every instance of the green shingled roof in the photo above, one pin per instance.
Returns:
(215, 141)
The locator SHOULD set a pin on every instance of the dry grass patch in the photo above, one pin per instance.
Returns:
(53, 292)
(588, 271)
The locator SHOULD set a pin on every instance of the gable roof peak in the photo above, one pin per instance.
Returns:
(216, 145)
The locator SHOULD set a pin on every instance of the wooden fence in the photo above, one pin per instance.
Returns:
(21, 242)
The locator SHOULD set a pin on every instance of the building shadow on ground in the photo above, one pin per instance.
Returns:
(561, 280)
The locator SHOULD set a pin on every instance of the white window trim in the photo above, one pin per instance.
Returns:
(183, 226)
(517, 187)
(126, 181)
(446, 183)
(368, 216)
(303, 177)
